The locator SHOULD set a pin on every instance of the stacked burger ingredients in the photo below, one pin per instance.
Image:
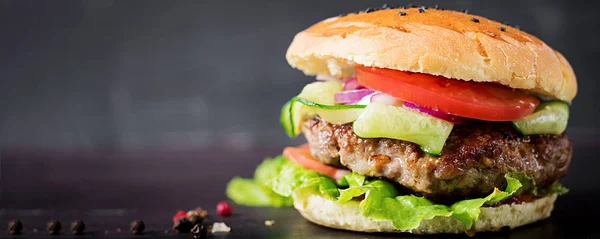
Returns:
(421, 120)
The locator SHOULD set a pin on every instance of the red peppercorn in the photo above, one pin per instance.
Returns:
(223, 208)
(178, 216)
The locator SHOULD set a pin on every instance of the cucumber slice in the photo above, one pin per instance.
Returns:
(295, 110)
(317, 98)
(386, 121)
(548, 118)
(285, 121)
(297, 113)
(335, 114)
(321, 92)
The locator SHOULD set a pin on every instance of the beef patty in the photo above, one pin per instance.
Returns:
(473, 161)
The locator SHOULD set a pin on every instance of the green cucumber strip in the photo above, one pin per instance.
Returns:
(285, 121)
(297, 108)
(548, 118)
(321, 92)
(386, 121)
(326, 107)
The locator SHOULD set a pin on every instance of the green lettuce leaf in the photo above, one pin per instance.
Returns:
(248, 192)
(268, 169)
(285, 178)
(275, 180)
(529, 186)
(352, 180)
(355, 183)
(467, 211)
(555, 188)
(382, 203)
(405, 212)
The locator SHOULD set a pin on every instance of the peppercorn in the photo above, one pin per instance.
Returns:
(196, 216)
(77, 227)
(502, 29)
(195, 219)
(201, 212)
(199, 231)
(53, 227)
(15, 227)
(182, 225)
(421, 10)
(475, 20)
(402, 13)
(223, 208)
(137, 227)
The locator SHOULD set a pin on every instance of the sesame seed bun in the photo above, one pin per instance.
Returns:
(347, 216)
(438, 42)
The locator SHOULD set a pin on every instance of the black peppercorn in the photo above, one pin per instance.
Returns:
(502, 29)
(137, 227)
(421, 10)
(402, 13)
(475, 20)
(15, 227)
(183, 225)
(199, 231)
(77, 227)
(195, 219)
(54, 227)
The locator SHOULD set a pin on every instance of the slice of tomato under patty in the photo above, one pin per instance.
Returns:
(477, 100)
(301, 155)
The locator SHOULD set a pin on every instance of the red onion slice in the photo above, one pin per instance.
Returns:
(447, 117)
(386, 99)
(351, 96)
(352, 84)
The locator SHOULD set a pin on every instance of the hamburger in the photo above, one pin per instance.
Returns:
(420, 120)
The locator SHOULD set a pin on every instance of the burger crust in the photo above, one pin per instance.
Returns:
(347, 216)
(437, 42)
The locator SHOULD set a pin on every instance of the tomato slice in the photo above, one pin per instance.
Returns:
(477, 100)
(301, 155)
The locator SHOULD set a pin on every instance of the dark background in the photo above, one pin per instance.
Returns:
(145, 107)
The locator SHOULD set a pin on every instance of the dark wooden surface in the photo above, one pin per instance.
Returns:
(109, 190)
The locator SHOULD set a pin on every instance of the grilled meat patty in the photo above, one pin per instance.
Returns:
(473, 161)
